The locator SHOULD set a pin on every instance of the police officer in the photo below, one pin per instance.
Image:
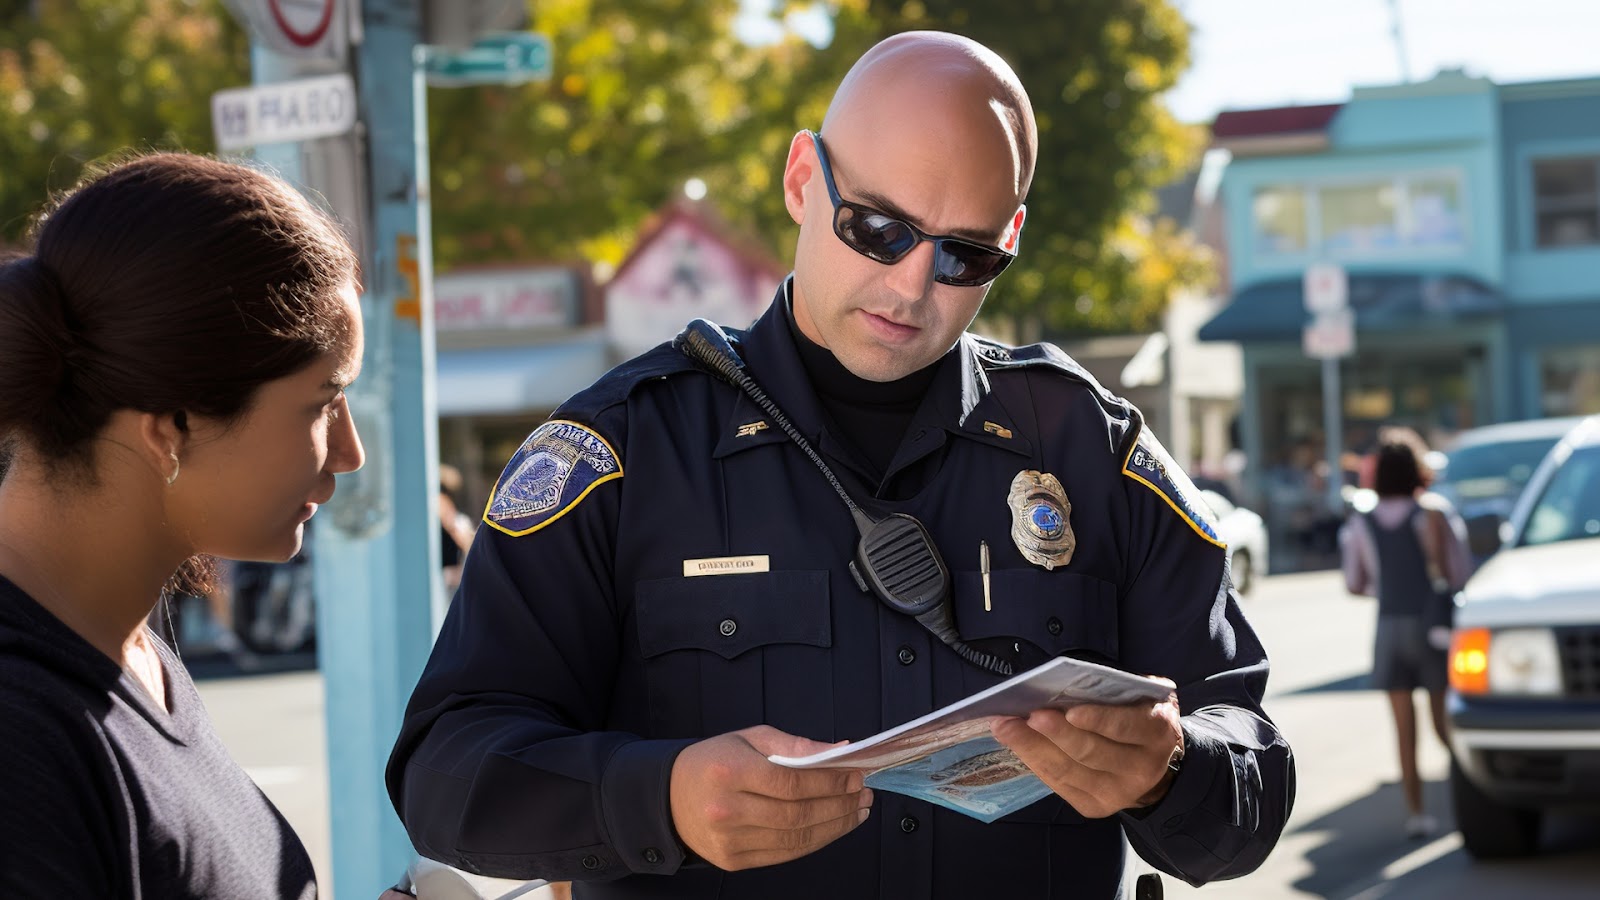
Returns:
(664, 594)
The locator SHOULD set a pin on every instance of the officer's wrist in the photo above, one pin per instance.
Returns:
(1155, 794)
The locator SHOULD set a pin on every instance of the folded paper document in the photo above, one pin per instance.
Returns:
(948, 756)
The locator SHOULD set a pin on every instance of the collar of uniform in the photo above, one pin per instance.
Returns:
(974, 412)
(962, 401)
(771, 359)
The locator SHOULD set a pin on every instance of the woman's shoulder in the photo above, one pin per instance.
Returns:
(52, 747)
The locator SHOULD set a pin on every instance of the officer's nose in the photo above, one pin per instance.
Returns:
(912, 276)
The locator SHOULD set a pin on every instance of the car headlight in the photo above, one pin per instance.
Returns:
(1510, 661)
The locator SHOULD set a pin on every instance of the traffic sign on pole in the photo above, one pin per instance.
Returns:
(1330, 335)
(284, 112)
(514, 57)
(303, 23)
(297, 28)
(1327, 288)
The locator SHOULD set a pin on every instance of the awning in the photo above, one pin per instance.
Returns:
(1148, 367)
(1275, 310)
(512, 380)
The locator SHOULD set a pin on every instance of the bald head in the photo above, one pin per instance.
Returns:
(933, 92)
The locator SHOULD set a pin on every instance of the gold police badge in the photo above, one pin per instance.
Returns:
(1040, 519)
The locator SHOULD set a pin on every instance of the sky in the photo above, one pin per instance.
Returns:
(1248, 54)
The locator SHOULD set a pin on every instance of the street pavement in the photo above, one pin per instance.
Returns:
(1344, 841)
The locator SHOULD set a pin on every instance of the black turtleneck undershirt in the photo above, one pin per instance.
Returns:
(871, 416)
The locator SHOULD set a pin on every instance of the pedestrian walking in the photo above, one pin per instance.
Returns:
(1410, 552)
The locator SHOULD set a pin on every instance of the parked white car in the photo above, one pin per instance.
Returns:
(1524, 700)
(1246, 537)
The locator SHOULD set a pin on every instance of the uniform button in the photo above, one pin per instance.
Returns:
(652, 855)
(919, 434)
(728, 627)
(907, 656)
(1053, 626)
(591, 862)
(908, 824)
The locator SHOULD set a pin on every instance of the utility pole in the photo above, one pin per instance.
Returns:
(378, 568)
(1399, 41)
(375, 547)
(375, 553)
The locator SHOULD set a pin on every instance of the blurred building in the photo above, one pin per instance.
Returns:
(513, 343)
(1467, 214)
(686, 264)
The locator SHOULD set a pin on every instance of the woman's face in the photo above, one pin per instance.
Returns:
(245, 491)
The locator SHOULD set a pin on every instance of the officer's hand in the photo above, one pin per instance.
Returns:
(1100, 759)
(736, 810)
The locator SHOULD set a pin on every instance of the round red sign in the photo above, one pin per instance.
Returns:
(302, 22)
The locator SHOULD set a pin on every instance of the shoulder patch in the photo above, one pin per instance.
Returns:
(554, 469)
(1149, 464)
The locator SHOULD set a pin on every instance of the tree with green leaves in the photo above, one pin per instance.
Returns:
(83, 80)
(646, 95)
(649, 94)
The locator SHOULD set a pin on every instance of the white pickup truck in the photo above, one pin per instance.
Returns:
(1524, 700)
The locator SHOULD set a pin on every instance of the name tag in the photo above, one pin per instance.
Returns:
(725, 565)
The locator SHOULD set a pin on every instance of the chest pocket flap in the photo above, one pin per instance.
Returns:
(1057, 611)
(730, 614)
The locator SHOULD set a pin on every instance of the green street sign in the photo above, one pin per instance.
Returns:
(511, 57)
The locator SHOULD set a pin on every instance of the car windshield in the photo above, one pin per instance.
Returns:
(1494, 470)
(1569, 507)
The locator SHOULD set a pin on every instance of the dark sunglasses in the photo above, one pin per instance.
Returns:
(883, 238)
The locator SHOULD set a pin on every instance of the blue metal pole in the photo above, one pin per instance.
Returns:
(377, 556)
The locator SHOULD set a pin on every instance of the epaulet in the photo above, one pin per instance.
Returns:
(614, 387)
(1123, 419)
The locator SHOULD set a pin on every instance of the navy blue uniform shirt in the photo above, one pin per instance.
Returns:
(580, 656)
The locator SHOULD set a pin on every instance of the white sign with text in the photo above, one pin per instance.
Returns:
(284, 112)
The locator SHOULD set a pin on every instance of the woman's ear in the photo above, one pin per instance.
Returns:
(162, 439)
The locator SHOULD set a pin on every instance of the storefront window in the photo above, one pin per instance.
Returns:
(1361, 218)
(1430, 391)
(1567, 201)
(1436, 213)
(1569, 380)
(1280, 216)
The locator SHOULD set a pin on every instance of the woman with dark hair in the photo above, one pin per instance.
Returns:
(173, 358)
(1411, 553)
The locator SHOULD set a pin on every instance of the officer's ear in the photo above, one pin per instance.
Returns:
(797, 173)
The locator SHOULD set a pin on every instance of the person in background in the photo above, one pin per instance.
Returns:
(174, 353)
(455, 527)
(1410, 552)
(661, 598)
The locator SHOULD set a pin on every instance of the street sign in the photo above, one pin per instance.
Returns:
(303, 23)
(1330, 335)
(1327, 288)
(511, 57)
(283, 112)
(297, 28)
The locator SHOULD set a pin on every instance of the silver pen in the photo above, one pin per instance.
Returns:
(983, 566)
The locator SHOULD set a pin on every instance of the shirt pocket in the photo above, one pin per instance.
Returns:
(725, 652)
(1034, 616)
